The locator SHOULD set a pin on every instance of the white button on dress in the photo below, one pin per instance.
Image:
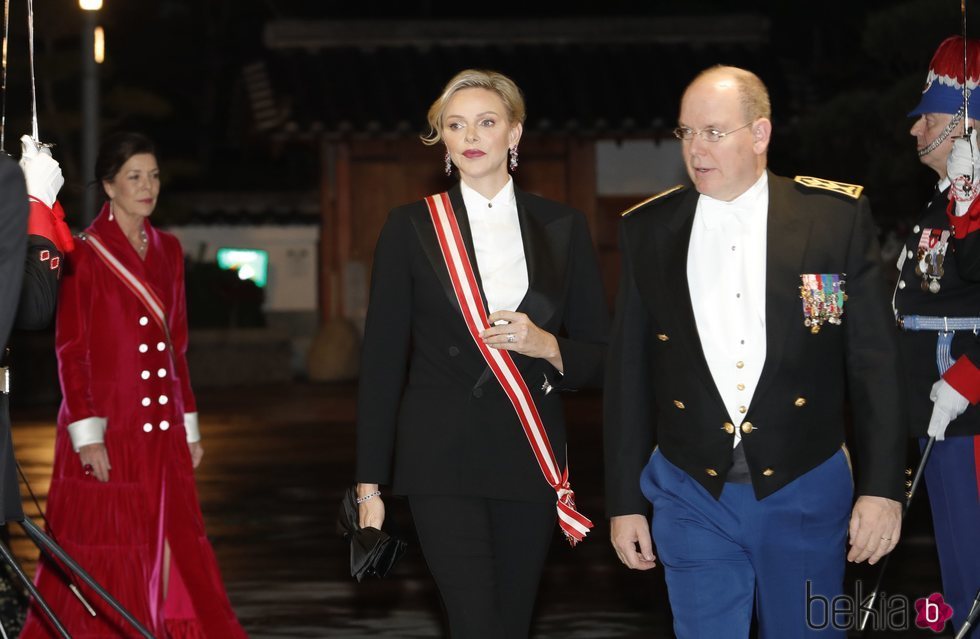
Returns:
(144, 320)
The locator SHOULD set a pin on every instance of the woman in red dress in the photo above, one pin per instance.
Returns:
(122, 500)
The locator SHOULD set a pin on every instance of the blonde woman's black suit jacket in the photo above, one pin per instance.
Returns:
(432, 418)
(660, 389)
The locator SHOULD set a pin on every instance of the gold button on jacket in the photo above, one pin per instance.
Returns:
(679, 404)
(747, 427)
(769, 472)
(800, 402)
(729, 428)
(711, 472)
(662, 337)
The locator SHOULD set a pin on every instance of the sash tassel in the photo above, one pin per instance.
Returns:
(573, 524)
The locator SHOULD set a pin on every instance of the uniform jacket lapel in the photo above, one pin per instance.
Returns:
(668, 293)
(787, 234)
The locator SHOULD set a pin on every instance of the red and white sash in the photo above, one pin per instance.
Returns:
(139, 288)
(574, 524)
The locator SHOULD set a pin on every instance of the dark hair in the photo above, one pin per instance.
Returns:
(115, 150)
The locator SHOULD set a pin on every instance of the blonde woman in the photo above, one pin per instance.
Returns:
(435, 421)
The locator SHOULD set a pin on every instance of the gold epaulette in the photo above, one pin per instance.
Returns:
(850, 190)
(652, 198)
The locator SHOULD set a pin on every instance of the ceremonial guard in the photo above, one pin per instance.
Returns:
(937, 306)
(748, 307)
(48, 239)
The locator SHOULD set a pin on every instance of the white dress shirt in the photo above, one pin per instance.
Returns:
(726, 272)
(498, 245)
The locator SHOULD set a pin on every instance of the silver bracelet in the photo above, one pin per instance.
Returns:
(363, 499)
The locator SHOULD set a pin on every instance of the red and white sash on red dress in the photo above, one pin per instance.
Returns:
(141, 289)
(574, 524)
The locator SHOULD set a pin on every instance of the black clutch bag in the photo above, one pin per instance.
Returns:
(372, 551)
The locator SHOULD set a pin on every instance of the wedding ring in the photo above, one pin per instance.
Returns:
(887, 538)
(87, 468)
(511, 337)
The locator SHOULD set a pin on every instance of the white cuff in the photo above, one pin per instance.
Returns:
(191, 428)
(90, 430)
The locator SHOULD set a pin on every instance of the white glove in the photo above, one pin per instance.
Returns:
(948, 404)
(961, 167)
(42, 172)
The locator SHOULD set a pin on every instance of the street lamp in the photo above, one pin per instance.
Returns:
(98, 50)
(93, 52)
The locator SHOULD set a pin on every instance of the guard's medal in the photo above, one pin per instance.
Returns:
(823, 299)
(930, 255)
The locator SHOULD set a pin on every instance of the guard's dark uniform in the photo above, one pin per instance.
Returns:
(957, 296)
(953, 472)
(28, 282)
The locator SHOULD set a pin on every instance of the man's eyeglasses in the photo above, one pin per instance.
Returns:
(708, 135)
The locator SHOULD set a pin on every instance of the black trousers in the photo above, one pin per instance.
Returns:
(486, 556)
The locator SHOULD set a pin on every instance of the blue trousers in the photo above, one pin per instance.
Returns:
(951, 479)
(784, 555)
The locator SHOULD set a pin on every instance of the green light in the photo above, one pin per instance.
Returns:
(251, 264)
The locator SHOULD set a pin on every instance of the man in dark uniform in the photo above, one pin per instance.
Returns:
(38, 268)
(29, 272)
(937, 304)
(733, 348)
(13, 248)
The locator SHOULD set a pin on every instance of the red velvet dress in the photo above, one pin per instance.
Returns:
(114, 364)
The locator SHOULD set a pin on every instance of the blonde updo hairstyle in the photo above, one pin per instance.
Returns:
(475, 79)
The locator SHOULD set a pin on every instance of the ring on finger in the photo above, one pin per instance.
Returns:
(87, 468)
(511, 337)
